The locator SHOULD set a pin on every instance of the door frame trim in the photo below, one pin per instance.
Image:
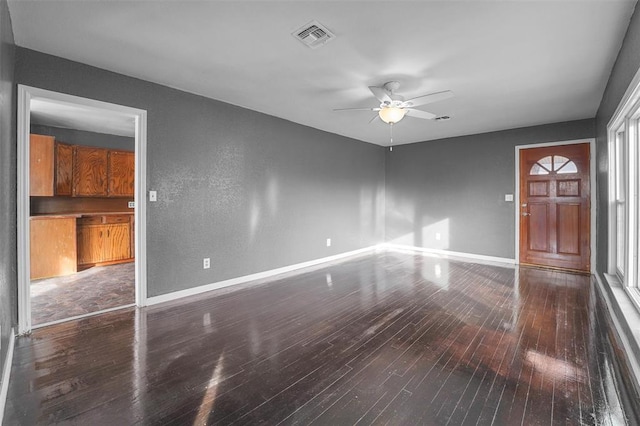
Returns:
(25, 94)
(592, 184)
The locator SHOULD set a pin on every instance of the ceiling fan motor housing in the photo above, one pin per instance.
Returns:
(391, 86)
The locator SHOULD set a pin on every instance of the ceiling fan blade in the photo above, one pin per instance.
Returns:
(428, 99)
(374, 118)
(416, 113)
(381, 94)
(357, 109)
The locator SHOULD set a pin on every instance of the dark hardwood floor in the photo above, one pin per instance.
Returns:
(387, 338)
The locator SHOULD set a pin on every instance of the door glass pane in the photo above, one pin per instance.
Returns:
(538, 170)
(569, 167)
(559, 161)
(546, 163)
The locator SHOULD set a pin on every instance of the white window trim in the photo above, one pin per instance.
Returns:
(628, 115)
(614, 155)
(622, 297)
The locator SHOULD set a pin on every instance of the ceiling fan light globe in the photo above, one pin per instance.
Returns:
(391, 115)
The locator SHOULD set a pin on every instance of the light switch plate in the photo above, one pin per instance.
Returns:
(153, 196)
(508, 197)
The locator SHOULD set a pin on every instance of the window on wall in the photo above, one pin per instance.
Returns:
(624, 181)
(557, 163)
(620, 195)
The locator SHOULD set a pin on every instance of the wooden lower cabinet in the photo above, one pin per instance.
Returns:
(117, 245)
(90, 244)
(104, 242)
(52, 246)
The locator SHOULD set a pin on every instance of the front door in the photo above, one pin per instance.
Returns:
(555, 207)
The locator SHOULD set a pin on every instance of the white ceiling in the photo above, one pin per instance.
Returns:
(510, 63)
(47, 112)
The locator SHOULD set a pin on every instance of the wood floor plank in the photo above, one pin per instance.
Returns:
(388, 338)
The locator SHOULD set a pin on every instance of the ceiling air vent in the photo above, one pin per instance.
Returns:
(313, 34)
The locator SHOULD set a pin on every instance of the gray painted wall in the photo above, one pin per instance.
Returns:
(8, 255)
(456, 187)
(250, 191)
(82, 137)
(254, 192)
(624, 69)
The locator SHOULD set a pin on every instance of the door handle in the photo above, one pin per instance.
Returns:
(526, 214)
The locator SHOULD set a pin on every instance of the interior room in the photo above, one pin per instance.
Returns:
(81, 219)
(350, 212)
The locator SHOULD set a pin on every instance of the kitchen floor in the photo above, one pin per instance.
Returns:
(94, 289)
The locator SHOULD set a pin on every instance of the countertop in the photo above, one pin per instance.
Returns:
(77, 215)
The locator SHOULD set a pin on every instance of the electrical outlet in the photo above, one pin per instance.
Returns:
(328, 242)
(206, 263)
(508, 197)
(131, 204)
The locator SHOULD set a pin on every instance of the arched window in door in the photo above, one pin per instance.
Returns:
(553, 164)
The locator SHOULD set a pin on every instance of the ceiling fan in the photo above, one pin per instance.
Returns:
(393, 107)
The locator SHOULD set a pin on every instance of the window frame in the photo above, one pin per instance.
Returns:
(619, 197)
(623, 137)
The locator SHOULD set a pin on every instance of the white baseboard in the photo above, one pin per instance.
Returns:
(77, 317)
(154, 300)
(391, 246)
(6, 372)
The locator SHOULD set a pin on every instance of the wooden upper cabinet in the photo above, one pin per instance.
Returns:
(90, 172)
(60, 169)
(64, 169)
(41, 165)
(121, 173)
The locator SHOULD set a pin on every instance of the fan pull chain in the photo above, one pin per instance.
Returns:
(391, 136)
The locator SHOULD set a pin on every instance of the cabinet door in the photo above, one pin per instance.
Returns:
(64, 168)
(53, 246)
(117, 245)
(91, 243)
(41, 165)
(121, 173)
(90, 172)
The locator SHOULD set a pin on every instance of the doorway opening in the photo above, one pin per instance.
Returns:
(555, 198)
(81, 207)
